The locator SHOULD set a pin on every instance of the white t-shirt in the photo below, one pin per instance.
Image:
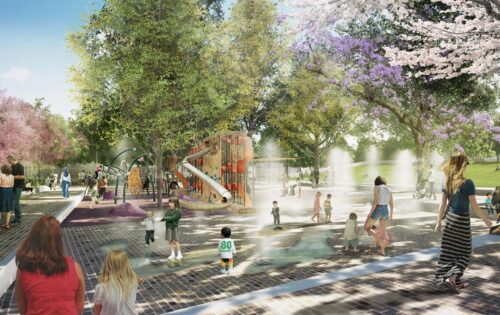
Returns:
(384, 195)
(149, 223)
(350, 230)
(226, 248)
(110, 308)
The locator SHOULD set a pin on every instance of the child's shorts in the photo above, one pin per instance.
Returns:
(226, 263)
(352, 243)
(328, 211)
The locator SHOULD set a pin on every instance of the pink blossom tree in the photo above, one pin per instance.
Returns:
(438, 38)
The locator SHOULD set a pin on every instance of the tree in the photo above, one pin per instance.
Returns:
(146, 66)
(251, 57)
(312, 118)
(438, 38)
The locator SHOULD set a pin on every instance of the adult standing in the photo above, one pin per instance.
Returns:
(47, 282)
(6, 194)
(56, 176)
(382, 208)
(65, 182)
(18, 173)
(171, 218)
(456, 244)
(81, 177)
(495, 201)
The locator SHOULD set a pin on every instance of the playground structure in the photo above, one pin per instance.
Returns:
(218, 169)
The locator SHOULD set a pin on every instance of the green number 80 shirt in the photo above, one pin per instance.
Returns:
(226, 248)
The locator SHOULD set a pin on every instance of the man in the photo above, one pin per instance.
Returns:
(81, 177)
(432, 180)
(18, 172)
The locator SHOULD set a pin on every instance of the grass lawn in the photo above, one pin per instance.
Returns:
(483, 174)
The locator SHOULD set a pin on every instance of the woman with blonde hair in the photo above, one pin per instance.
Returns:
(456, 245)
(117, 288)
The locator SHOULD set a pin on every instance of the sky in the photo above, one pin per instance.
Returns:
(34, 57)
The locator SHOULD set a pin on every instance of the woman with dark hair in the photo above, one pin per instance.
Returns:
(47, 282)
(6, 194)
(171, 218)
(382, 198)
(456, 245)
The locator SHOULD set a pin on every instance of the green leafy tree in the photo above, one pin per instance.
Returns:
(145, 72)
(312, 118)
(251, 52)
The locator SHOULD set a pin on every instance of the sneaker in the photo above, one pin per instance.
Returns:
(179, 257)
(223, 271)
(147, 244)
(229, 270)
(172, 256)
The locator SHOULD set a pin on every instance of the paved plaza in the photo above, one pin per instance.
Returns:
(298, 269)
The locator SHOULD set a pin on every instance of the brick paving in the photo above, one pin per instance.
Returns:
(89, 234)
(32, 208)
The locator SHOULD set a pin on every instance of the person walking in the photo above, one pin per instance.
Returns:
(456, 244)
(65, 182)
(316, 207)
(6, 194)
(18, 173)
(382, 208)
(47, 282)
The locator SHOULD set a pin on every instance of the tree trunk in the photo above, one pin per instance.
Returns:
(159, 178)
(317, 159)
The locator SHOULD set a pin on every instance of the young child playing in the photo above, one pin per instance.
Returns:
(380, 239)
(327, 205)
(276, 213)
(226, 251)
(149, 222)
(351, 232)
(316, 207)
(117, 288)
(488, 204)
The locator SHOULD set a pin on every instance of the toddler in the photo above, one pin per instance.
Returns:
(351, 232)
(327, 205)
(117, 288)
(149, 222)
(226, 251)
(276, 213)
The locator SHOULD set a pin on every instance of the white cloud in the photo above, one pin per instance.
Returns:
(19, 74)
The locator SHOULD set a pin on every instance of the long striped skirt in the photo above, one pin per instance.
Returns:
(456, 247)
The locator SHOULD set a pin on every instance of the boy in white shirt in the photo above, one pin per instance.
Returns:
(149, 222)
(226, 250)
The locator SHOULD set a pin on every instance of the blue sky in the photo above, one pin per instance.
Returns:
(34, 57)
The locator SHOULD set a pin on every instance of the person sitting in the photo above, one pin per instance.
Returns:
(47, 281)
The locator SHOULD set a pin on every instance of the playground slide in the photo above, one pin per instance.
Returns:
(221, 190)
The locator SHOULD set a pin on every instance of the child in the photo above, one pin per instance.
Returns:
(171, 218)
(316, 207)
(149, 222)
(381, 239)
(351, 232)
(327, 205)
(276, 213)
(226, 251)
(488, 204)
(117, 288)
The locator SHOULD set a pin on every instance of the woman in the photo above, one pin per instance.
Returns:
(171, 218)
(65, 182)
(6, 194)
(382, 198)
(47, 282)
(456, 245)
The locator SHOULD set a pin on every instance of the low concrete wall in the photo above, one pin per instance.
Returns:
(8, 267)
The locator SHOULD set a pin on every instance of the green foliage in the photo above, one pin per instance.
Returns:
(312, 118)
(250, 53)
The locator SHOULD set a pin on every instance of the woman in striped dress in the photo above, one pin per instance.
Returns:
(456, 245)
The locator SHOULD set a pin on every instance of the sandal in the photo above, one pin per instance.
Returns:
(464, 285)
(450, 286)
(6, 227)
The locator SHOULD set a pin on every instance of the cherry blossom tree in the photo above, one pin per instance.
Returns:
(438, 38)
